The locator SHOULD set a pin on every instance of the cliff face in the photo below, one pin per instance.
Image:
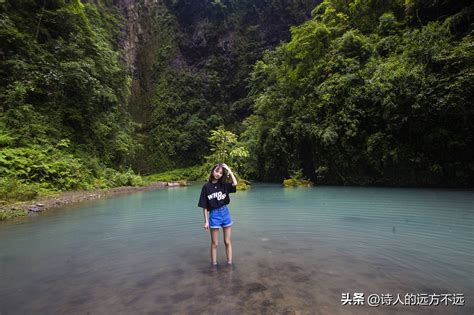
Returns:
(136, 31)
(191, 62)
(227, 34)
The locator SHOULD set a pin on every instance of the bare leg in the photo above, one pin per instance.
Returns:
(214, 242)
(228, 244)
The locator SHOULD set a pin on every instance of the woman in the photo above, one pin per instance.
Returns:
(214, 200)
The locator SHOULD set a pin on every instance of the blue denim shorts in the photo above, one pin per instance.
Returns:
(220, 217)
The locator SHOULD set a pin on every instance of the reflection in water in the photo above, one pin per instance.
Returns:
(296, 251)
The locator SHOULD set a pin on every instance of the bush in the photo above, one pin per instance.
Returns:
(13, 189)
(10, 214)
(192, 173)
(115, 178)
(297, 179)
(45, 165)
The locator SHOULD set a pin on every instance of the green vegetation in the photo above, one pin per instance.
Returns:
(349, 92)
(368, 92)
(296, 179)
(63, 95)
(11, 214)
(192, 173)
(365, 92)
(225, 147)
(194, 72)
(13, 189)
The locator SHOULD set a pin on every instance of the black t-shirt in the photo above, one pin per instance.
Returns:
(215, 195)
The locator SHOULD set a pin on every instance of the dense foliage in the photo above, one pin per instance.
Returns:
(63, 91)
(355, 92)
(369, 92)
(194, 72)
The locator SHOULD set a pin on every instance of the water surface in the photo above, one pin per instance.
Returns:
(296, 251)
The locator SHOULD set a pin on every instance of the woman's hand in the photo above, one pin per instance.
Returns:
(206, 226)
(226, 167)
(234, 180)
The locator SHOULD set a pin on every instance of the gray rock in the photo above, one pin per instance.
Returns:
(35, 209)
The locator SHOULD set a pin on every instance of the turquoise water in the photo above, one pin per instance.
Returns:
(295, 252)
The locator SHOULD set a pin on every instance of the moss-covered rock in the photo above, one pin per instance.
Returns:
(292, 182)
(243, 184)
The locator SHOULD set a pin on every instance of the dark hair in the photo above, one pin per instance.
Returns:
(224, 173)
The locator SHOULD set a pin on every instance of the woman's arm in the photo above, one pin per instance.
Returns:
(234, 180)
(206, 218)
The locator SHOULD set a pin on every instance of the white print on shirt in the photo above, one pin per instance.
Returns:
(219, 195)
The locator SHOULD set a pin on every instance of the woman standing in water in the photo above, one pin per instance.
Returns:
(214, 200)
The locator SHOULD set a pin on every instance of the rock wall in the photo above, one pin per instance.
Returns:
(136, 32)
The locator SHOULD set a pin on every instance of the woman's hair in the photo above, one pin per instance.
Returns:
(224, 173)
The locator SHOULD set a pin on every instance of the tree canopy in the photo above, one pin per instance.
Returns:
(349, 92)
(362, 94)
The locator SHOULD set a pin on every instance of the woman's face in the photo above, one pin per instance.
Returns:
(217, 173)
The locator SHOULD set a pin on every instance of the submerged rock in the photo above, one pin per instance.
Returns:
(35, 209)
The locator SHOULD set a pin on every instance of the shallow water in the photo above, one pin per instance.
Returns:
(296, 251)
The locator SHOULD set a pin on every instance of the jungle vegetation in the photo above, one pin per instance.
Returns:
(362, 92)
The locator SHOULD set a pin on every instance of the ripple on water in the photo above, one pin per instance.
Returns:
(295, 251)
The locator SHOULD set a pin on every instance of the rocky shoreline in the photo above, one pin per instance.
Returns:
(69, 197)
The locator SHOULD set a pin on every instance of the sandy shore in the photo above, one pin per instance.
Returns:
(68, 197)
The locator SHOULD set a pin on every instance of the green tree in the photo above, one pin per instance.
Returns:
(362, 96)
(225, 148)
